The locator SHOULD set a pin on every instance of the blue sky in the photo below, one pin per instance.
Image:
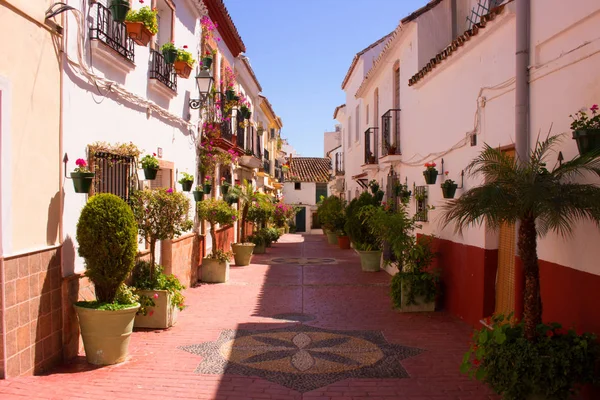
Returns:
(301, 50)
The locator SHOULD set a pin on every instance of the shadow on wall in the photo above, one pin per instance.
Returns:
(53, 219)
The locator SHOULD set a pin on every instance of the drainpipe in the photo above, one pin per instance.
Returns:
(523, 10)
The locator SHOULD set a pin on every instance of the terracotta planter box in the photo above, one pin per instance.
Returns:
(182, 69)
(163, 315)
(138, 32)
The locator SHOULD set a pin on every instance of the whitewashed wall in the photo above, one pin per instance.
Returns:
(89, 116)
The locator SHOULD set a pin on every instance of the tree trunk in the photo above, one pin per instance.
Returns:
(244, 216)
(152, 258)
(527, 244)
(213, 236)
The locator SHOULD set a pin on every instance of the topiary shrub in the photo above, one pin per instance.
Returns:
(107, 237)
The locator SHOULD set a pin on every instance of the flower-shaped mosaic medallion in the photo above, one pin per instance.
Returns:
(302, 357)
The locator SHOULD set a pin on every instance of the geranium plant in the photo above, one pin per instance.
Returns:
(81, 166)
(186, 178)
(582, 121)
(185, 56)
(145, 15)
(150, 161)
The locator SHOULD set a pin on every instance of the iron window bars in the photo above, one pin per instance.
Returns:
(371, 151)
(391, 118)
(114, 174)
(161, 71)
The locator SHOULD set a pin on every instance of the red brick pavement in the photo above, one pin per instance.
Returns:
(340, 296)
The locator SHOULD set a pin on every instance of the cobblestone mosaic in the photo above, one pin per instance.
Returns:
(301, 357)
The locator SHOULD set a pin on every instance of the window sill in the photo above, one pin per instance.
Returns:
(111, 56)
(159, 87)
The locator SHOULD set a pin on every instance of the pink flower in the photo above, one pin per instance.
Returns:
(151, 313)
(80, 162)
(594, 108)
(446, 173)
(169, 190)
(156, 295)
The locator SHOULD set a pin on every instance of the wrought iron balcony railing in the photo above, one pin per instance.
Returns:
(371, 145)
(267, 166)
(241, 131)
(339, 164)
(112, 33)
(161, 71)
(390, 135)
(267, 156)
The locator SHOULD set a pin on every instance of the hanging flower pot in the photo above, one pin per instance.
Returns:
(224, 189)
(169, 53)
(588, 140)
(186, 186)
(244, 112)
(138, 32)
(207, 188)
(449, 189)
(206, 62)
(430, 173)
(248, 114)
(182, 69)
(230, 94)
(150, 173)
(198, 195)
(119, 9)
(82, 181)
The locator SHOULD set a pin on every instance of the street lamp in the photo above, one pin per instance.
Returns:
(204, 81)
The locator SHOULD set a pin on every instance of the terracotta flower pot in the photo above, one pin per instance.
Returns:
(138, 32)
(106, 333)
(182, 69)
(82, 181)
(343, 242)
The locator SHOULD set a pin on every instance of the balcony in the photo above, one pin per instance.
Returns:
(371, 146)
(390, 121)
(339, 164)
(241, 139)
(112, 34)
(162, 72)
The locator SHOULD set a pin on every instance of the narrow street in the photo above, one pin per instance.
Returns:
(301, 322)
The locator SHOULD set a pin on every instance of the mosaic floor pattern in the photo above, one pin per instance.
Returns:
(302, 260)
(301, 357)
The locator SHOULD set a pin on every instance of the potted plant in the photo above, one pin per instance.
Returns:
(141, 25)
(328, 212)
(528, 193)
(367, 245)
(549, 368)
(161, 214)
(342, 237)
(448, 187)
(169, 52)
(150, 166)
(430, 173)
(207, 60)
(259, 241)
(184, 62)
(586, 130)
(391, 149)
(119, 10)
(402, 192)
(82, 177)
(230, 82)
(285, 168)
(207, 185)
(244, 110)
(215, 267)
(186, 181)
(248, 212)
(198, 193)
(107, 235)
(224, 185)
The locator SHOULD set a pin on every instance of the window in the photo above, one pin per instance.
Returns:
(163, 179)
(357, 134)
(367, 119)
(297, 185)
(114, 174)
(349, 131)
(321, 191)
(166, 18)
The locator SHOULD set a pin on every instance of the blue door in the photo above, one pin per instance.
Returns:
(301, 220)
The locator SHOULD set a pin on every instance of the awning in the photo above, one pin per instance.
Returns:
(362, 180)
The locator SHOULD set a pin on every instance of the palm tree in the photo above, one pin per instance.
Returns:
(246, 194)
(540, 200)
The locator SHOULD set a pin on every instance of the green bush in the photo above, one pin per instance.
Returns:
(329, 212)
(355, 226)
(552, 365)
(107, 237)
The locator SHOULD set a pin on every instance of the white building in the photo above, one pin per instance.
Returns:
(305, 183)
(454, 81)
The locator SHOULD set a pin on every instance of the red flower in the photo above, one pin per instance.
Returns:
(476, 362)
(185, 46)
(154, 154)
(141, 1)
(550, 333)
(594, 108)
